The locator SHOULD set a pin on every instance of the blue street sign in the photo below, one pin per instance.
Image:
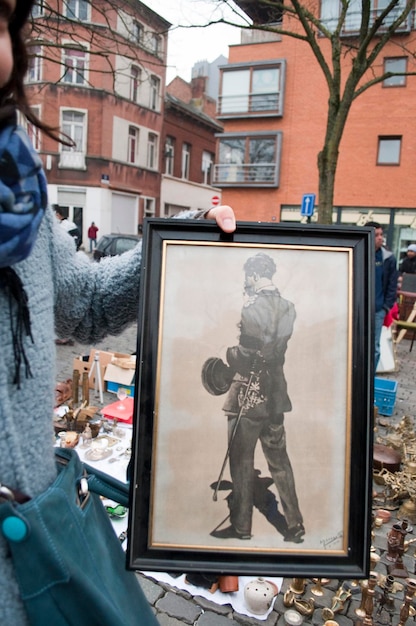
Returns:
(308, 203)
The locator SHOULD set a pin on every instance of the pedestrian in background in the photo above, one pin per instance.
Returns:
(68, 225)
(45, 286)
(408, 265)
(92, 235)
(386, 276)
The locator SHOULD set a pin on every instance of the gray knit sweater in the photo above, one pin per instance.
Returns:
(74, 297)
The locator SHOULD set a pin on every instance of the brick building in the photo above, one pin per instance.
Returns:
(188, 140)
(99, 74)
(273, 103)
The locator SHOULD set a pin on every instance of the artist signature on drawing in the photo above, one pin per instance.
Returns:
(326, 543)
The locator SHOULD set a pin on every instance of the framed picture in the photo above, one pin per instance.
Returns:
(252, 436)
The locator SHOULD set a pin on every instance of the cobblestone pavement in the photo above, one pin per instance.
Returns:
(177, 607)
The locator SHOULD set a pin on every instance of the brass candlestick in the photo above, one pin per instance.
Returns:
(298, 586)
(408, 597)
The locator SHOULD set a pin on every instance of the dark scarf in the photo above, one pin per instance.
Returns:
(23, 199)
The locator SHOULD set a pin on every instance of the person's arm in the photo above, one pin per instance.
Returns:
(96, 299)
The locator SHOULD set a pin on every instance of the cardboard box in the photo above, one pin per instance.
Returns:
(116, 377)
(85, 363)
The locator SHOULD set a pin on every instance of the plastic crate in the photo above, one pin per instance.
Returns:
(385, 395)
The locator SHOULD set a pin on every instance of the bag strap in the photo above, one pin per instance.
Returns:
(98, 482)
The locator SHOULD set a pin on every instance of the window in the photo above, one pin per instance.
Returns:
(154, 43)
(254, 90)
(149, 207)
(133, 144)
(76, 9)
(152, 151)
(331, 10)
(389, 150)
(38, 8)
(135, 76)
(34, 72)
(154, 93)
(251, 160)
(169, 155)
(33, 131)
(74, 126)
(137, 32)
(186, 158)
(75, 62)
(398, 66)
(207, 161)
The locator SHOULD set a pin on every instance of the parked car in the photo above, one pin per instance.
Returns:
(111, 245)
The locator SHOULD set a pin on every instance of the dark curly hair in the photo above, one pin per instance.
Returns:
(260, 264)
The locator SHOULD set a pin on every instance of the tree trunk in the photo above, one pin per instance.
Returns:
(327, 165)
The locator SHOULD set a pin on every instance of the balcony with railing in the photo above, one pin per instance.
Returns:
(253, 104)
(352, 23)
(248, 175)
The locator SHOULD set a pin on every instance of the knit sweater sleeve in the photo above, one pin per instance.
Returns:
(93, 299)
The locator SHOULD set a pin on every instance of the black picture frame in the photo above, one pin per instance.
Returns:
(192, 297)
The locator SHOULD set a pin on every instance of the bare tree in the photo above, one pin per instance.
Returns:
(346, 41)
(113, 34)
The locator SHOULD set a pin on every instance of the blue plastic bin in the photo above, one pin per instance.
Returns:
(385, 392)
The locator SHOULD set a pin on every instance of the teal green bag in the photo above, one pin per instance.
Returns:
(68, 561)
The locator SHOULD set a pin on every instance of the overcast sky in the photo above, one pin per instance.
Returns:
(189, 45)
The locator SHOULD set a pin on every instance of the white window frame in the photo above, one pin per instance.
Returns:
(34, 72)
(33, 131)
(76, 13)
(154, 98)
(149, 206)
(137, 31)
(77, 128)
(135, 79)
(38, 9)
(133, 136)
(78, 66)
(206, 166)
(152, 151)
(186, 160)
(169, 155)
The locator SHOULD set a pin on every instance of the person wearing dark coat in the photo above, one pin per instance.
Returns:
(408, 265)
(257, 400)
